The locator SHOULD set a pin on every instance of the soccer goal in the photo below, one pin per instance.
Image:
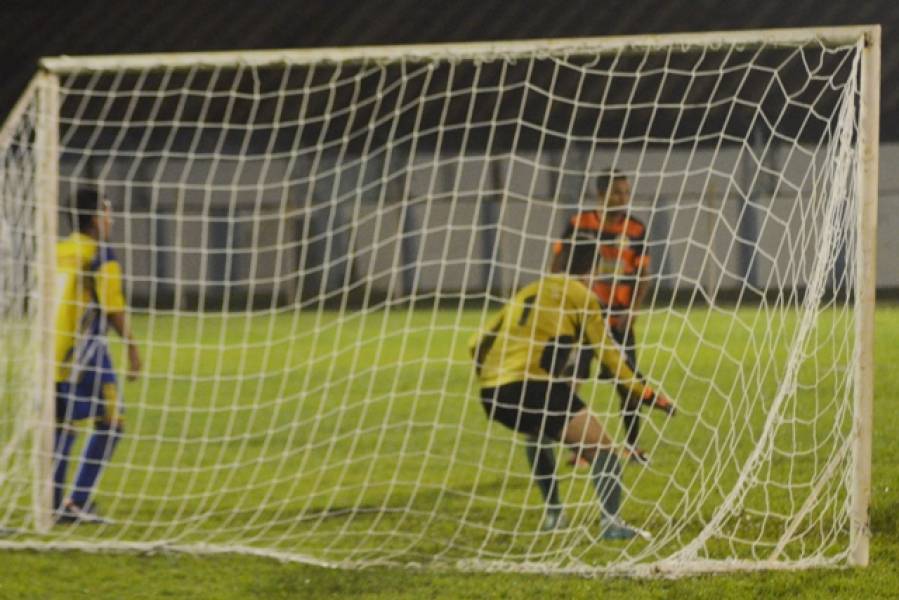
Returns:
(309, 238)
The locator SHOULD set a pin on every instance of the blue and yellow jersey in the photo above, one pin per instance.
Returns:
(540, 335)
(89, 287)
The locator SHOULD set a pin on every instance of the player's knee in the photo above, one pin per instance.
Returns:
(588, 452)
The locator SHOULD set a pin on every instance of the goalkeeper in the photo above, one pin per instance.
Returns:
(620, 284)
(526, 361)
(91, 299)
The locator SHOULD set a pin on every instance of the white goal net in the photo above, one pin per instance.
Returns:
(308, 239)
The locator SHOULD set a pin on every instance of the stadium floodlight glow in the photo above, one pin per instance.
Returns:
(309, 238)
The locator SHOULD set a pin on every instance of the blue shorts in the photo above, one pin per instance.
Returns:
(96, 395)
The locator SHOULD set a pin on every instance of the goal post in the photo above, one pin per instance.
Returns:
(309, 238)
(47, 207)
(869, 136)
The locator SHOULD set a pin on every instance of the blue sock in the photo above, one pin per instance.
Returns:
(63, 439)
(97, 453)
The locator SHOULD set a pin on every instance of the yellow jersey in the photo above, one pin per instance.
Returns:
(542, 333)
(88, 287)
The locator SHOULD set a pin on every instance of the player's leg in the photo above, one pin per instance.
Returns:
(504, 404)
(630, 407)
(630, 417)
(630, 412)
(100, 446)
(542, 459)
(584, 431)
(69, 407)
(62, 446)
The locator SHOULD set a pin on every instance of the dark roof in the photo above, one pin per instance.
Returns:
(39, 28)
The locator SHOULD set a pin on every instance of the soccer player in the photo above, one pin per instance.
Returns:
(620, 284)
(91, 299)
(527, 360)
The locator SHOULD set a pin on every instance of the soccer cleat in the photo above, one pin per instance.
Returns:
(616, 529)
(71, 513)
(616, 532)
(636, 455)
(554, 519)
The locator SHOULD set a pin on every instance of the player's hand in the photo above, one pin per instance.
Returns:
(661, 402)
(134, 364)
(653, 399)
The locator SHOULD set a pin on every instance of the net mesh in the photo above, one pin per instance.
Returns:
(307, 248)
(20, 387)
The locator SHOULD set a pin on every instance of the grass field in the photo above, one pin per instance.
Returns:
(229, 447)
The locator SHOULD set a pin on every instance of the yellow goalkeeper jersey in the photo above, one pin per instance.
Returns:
(89, 287)
(551, 329)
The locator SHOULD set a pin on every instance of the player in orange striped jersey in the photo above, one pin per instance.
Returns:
(620, 281)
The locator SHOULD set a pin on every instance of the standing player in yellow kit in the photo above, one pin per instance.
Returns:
(89, 280)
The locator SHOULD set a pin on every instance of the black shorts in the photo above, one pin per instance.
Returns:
(538, 408)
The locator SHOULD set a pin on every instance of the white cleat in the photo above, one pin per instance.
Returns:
(74, 514)
(554, 520)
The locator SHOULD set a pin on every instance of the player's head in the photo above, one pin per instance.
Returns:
(613, 189)
(578, 256)
(91, 213)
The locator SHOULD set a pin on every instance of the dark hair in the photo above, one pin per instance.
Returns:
(604, 180)
(85, 206)
(578, 255)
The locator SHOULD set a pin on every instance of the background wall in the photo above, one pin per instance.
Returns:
(469, 226)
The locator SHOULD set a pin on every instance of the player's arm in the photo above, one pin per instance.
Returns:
(112, 302)
(606, 350)
(610, 356)
(119, 322)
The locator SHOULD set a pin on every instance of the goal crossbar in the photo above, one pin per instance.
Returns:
(457, 51)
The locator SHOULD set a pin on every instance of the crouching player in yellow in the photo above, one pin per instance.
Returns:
(527, 359)
(91, 299)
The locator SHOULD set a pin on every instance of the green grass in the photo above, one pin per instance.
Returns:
(199, 466)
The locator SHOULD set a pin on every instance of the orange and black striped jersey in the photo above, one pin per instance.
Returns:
(622, 256)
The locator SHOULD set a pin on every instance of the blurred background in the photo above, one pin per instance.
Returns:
(234, 248)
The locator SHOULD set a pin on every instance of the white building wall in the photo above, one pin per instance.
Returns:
(274, 227)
